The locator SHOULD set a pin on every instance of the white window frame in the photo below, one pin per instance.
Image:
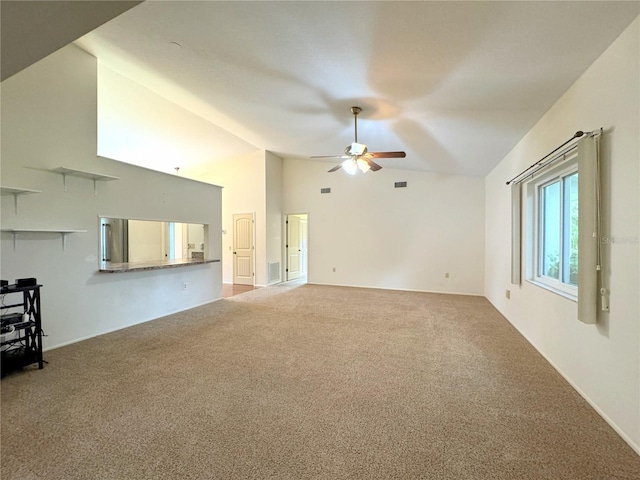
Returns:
(534, 227)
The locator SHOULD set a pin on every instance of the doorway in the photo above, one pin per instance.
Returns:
(297, 255)
(243, 249)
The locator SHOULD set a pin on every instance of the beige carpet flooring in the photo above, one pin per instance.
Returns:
(312, 382)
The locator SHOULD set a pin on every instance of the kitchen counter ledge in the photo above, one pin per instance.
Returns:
(113, 267)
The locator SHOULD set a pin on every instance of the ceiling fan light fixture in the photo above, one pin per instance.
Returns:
(350, 166)
(363, 165)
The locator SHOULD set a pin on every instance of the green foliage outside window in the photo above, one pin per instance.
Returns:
(553, 259)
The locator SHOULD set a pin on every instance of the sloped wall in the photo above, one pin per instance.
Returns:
(601, 361)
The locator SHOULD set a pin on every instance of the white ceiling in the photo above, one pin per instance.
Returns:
(454, 84)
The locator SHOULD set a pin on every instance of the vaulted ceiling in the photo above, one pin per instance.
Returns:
(454, 84)
(31, 30)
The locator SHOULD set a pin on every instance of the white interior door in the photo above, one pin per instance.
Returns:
(293, 247)
(243, 249)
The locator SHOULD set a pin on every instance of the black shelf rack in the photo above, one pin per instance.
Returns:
(24, 346)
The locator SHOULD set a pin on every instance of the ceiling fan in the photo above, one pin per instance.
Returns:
(356, 156)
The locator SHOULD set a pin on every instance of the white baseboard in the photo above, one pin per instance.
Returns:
(611, 423)
(397, 289)
(81, 339)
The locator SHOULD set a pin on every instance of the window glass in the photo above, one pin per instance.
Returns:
(550, 231)
(570, 225)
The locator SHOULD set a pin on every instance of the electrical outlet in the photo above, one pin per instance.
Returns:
(184, 286)
(446, 275)
(507, 294)
(334, 269)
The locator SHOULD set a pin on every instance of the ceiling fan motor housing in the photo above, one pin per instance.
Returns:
(356, 149)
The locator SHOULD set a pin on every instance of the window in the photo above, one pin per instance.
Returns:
(561, 215)
(555, 232)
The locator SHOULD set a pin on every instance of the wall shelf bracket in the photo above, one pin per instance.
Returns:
(16, 192)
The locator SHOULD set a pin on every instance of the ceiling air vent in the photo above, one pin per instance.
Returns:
(400, 184)
(325, 190)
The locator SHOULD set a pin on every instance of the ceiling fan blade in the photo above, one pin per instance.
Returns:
(336, 168)
(387, 154)
(330, 156)
(374, 166)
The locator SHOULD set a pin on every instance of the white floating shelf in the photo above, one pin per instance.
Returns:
(84, 174)
(63, 232)
(96, 177)
(41, 230)
(17, 192)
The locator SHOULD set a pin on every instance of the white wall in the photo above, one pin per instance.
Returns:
(378, 236)
(138, 126)
(602, 361)
(49, 120)
(243, 182)
(251, 184)
(274, 218)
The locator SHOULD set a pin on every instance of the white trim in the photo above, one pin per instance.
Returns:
(255, 251)
(564, 289)
(557, 291)
(285, 246)
(254, 239)
(568, 167)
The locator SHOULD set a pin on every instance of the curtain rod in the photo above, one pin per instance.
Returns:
(578, 134)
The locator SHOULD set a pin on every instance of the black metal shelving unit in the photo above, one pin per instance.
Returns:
(24, 346)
